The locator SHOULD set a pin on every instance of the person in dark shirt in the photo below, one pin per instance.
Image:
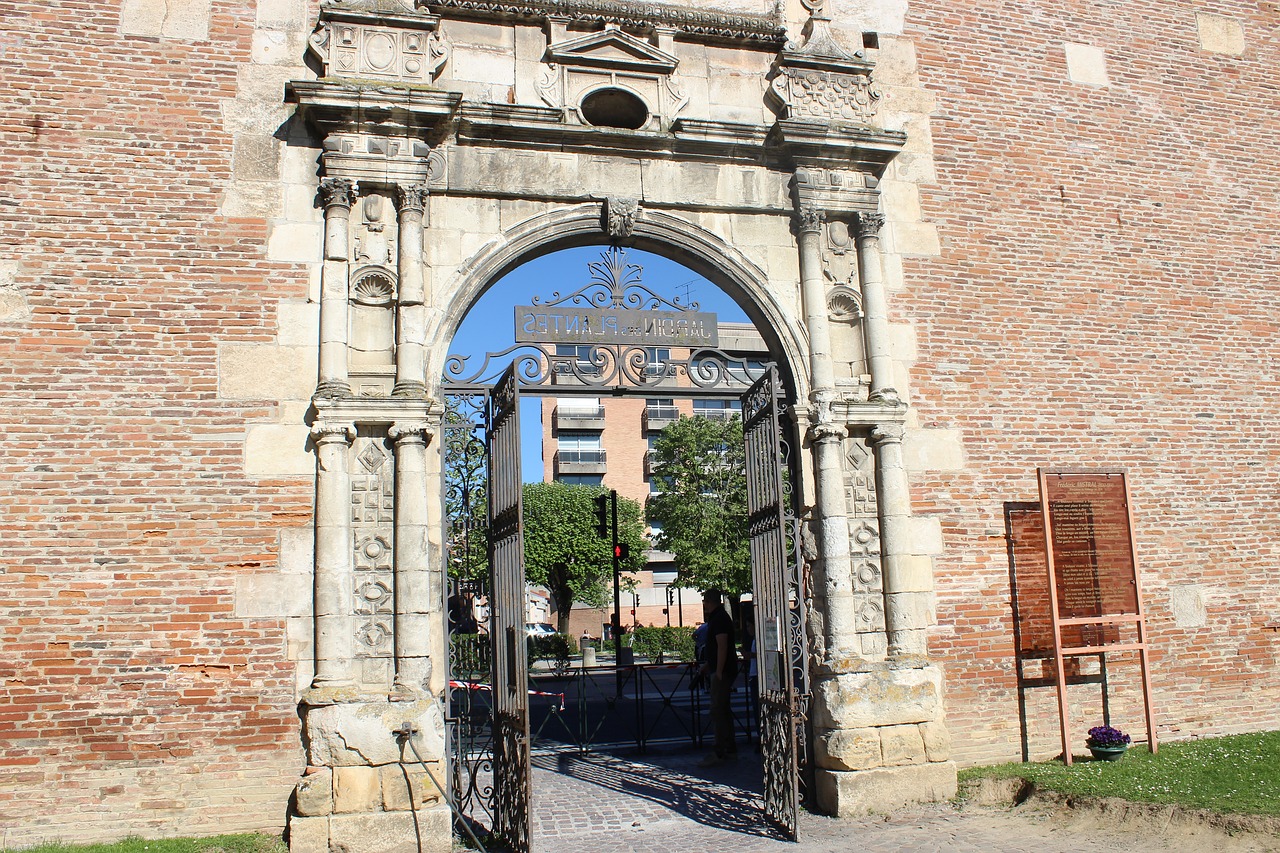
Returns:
(720, 668)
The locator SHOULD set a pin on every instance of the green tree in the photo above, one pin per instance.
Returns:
(562, 551)
(466, 488)
(699, 467)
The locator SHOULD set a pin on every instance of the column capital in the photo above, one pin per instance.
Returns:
(810, 218)
(337, 192)
(827, 432)
(409, 432)
(888, 434)
(324, 432)
(868, 225)
(412, 197)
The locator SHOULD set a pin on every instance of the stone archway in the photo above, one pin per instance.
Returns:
(434, 185)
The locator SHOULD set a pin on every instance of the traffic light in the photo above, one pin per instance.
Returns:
(621, 551)
(602, 515)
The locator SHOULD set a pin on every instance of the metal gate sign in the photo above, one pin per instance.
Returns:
(537, 324)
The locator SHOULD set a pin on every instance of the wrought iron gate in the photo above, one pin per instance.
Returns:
(779, 608)
(512, 775)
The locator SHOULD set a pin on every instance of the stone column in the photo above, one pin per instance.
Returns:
(338, 195)
(414, 600)
(875, 312)
(906, 606)
(832, 522)
(334, 573)
(411, 310)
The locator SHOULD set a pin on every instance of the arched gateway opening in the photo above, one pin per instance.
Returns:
(598, 337)
(444, 168)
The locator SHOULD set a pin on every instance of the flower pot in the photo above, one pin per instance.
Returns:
(1108, 753)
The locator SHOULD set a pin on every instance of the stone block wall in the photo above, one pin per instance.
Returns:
(1105, 194)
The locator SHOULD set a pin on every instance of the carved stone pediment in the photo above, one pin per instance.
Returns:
(377, 40)
(578, 66)
(613, 49)
(819, 80)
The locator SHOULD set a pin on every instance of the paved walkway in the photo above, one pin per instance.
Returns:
(664, 803)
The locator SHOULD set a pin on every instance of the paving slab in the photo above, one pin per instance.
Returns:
(663, 802)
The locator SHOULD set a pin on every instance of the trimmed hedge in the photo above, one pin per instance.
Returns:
(674, 643)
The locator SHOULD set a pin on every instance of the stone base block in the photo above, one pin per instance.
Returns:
(425, 831)
(848, 794)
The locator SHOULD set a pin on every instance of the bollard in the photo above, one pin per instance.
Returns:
(589, 656)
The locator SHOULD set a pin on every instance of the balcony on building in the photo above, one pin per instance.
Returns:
(575, 414)
(580, 461)
(659, 415)
(716, 410)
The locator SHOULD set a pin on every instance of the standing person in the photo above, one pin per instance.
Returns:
(720, 666)
(747, 615)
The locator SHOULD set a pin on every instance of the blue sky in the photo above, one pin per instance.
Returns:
(490, 325)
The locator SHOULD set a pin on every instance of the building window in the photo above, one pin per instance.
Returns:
(581, 353)
(581, 479)
(716, 410)
(658, 358)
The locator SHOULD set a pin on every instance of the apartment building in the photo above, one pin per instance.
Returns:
(608, 441)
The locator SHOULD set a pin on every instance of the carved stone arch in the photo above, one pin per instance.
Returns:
(663, 233)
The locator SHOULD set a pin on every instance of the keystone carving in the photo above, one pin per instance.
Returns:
(620, 216)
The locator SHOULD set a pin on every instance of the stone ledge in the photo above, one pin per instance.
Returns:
(848, 794)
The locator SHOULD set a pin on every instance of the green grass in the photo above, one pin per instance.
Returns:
(1235, 774)
(217, 844)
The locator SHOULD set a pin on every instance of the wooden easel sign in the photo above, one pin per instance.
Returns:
(1093, 573)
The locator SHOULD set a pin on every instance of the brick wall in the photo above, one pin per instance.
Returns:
(135, 700)
(1105, 297)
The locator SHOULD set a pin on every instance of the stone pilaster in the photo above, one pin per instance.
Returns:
(414, 595)
(875, 319)
(337, 195)
(411, 310)
(906, 606)
(334, 575)
(831, 523)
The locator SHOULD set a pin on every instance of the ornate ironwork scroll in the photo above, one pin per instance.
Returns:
(638, 361)
(779, 610)
(512, 819)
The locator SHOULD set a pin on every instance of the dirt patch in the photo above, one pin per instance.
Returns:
(1189, 829)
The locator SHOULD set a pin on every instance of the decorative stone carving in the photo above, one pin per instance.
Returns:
(620, 216)
(373, 286)
(372, 526)
(413, 196)
(692, 23)
(328, 431)
(580, 66)
(410, 430)
(869, 224)
(337, 192)
(826, 95)
(377, 40)
(810, 219)
(836, 191)
(820, 80)
(844, 304)
(375, 241)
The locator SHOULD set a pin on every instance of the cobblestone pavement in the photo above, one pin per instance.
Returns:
(663, 802)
